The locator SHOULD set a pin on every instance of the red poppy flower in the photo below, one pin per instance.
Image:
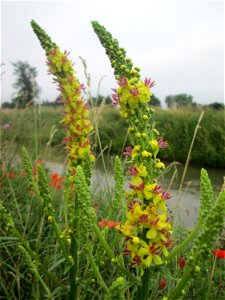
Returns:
(55, 180)
(219, 253)
(102, 223)
(109, 224)
(11, 175)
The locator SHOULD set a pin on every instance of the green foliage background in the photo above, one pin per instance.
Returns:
(176, 126)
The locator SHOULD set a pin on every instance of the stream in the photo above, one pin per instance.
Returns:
(183, 204)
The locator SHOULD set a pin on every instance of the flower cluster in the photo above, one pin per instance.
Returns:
(56, 181)
(108, 223)
(147, 229)
(76, 112)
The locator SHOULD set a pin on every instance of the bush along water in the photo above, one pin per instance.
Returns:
(130, 251)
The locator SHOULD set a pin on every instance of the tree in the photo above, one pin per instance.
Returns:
(216, 105)
(154, 101)
(25, 84)
(180, 100)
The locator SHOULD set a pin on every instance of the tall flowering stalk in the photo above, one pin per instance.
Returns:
(76, 112)
(146, 229)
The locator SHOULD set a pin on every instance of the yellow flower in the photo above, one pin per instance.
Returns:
(151, 251)
(135, 151)
(149, 191)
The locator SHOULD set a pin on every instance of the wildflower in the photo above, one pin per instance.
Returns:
(6, 126)
(55, 180)
(162, 143)
(11, 175)
(181, 262)
(219, 253)
(76, 111)
(102, 223)
(148, 82)
(109, 224)
(146, 228)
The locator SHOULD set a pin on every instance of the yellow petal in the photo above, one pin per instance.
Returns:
(151, 234)
(157, 259)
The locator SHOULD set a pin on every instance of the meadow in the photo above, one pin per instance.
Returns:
(62, 238)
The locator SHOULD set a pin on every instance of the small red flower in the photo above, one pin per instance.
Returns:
(162, 283)
(219, 253)
(109, 224)
(181, 262)
(102, 223)
(55, 181)
(59, 186)
(11, 175)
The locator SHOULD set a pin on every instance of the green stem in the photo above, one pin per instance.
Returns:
(103, 160)
(73, 270)
(145, 284)
(96, 270)
(190, 150)
(34, 269)
(185, 242)
(177, 291)
(34, 257)
(61, 244)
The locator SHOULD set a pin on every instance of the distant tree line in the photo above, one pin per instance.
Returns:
(28, 91)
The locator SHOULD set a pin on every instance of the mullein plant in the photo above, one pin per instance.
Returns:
(147, 229)
(76, 111)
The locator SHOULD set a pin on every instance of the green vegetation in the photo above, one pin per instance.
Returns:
(176, 126)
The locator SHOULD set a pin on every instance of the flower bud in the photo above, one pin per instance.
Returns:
(197, 269)
(181, 262)
(162, 283)
(137, 135)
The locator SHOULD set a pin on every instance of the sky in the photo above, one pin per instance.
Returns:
(179, 44)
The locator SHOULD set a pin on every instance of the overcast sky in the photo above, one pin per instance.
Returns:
(179, 44)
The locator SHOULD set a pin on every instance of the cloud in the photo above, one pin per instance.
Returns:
(177, 43)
